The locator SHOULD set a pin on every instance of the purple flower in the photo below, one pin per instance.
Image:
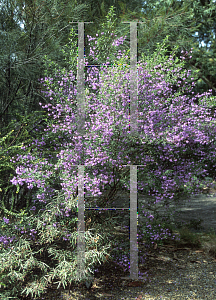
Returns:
(6, 220)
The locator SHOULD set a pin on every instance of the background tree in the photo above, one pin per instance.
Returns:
(199, 17)
(204, 56)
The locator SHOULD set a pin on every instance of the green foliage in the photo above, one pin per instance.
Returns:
(5, 163)
(29, 266)
(20, 136)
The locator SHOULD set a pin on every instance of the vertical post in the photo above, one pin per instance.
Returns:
(133, 78)
(133, 223)
(81, 226)
(133, 168)
(81, 131)
(80, 81)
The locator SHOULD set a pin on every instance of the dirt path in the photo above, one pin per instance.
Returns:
(202, 206)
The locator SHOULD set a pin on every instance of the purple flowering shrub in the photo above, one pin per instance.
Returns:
(170, 147)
